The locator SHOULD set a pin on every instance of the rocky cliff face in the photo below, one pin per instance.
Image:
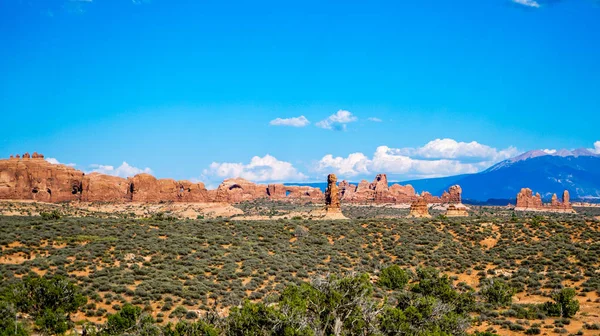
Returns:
(378, 191)
(104, 188)
(30, 177)
(33, 178)
(238, 189)
(526, 201)
(147, 188)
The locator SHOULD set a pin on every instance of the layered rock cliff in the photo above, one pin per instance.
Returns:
(30, 177)
(526, 201)
(33, 178)
(379, 191)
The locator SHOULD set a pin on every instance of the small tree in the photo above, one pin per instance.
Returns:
(251, 319)
(9, 324)
(125, 320)
(199, 328)
(497, 292)
(49, 300)
(393, 277)
(564, 305)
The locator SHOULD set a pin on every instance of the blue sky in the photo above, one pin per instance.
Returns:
(192, 89)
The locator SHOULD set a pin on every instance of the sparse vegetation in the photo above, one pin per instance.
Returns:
(493, 271)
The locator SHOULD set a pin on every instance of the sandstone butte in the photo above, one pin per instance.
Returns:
(31, 177)
(456, 210)
(526, 201)
(419, 208)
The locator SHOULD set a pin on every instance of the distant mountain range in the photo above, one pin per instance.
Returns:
(546, 172)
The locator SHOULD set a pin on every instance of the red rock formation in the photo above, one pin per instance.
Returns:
(147, 188)
(140, 188)
(402, 192)
(276, 191)
(305, 193)
(453, 195)
(378, 191)
(346, 190)
(332, 201)
(419, 208)
(526, 201)
(456, 210)
(32, 179)
(566, 199)
(97, 187)
(238, 189)
(192, 192)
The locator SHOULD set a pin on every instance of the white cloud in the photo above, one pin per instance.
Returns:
(337, 121)
(374, 119)
(392, 160)
(437, 158)
(300, 121)
(597, 147)
(55, 161)
(528, 3)
(549, 151)
(260, 169)
(354, 164)
(124, 170)
(452, 149)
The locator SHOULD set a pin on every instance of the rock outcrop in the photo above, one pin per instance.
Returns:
(379, 192)
(526, 201)
(192, 192)
(30, 177)
(453, 195)
(333, 208)
(456, 210)
(146, 188)
(304, 193)
(236, 190)
(332, 200)
(419, 208)
(97, 187)
(33, 178)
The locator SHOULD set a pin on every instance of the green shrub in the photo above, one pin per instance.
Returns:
(564, 305)
(53, 215)
(393, 277)
(497, 292)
